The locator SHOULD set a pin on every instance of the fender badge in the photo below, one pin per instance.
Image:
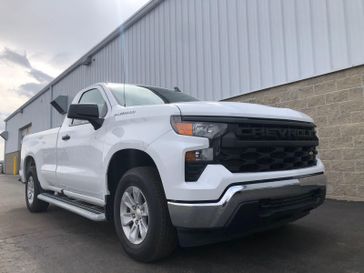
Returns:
(125, 113)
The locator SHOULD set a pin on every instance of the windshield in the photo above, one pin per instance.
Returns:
(134, 95)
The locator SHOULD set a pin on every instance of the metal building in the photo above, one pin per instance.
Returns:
(211, 49)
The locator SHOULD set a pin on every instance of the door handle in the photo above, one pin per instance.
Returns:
(66, 137)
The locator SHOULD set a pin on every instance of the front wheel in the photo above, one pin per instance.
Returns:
(141, 216)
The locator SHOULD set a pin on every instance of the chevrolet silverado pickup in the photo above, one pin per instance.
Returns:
(168, 169)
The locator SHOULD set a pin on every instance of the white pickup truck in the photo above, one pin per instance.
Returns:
(165, 167)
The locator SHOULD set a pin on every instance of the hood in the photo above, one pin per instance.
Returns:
(236, 109)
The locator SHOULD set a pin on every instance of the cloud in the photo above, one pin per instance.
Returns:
(14, 57)
(41, 78)
(11, 56)
(49, 28)
(30, 89)
(40, 75)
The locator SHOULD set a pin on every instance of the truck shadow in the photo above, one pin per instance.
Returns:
(62, 237)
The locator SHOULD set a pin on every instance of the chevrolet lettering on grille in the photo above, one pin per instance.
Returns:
(276, 132)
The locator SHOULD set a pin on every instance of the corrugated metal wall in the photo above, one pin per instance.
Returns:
(37, 113)
(215, 49)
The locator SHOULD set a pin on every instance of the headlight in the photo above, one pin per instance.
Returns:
(209, 130)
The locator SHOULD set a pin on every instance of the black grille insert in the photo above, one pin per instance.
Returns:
(291, 202)
(261, 146)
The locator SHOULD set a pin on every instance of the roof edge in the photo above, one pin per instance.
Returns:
(148, 7)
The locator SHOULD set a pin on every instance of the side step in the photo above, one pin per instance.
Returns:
(88, 211)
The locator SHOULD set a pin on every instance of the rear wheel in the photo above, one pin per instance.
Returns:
(32, 189)
(141, 216)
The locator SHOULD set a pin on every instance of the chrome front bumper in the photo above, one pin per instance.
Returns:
(217, 214)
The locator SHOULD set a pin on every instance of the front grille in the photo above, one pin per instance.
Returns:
(257, 145)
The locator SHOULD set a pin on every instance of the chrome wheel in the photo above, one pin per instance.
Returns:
(30, 190)
(134, 215)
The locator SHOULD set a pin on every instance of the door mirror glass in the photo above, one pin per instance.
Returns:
(88, 112)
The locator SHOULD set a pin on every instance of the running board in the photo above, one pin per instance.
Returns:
(88, 211)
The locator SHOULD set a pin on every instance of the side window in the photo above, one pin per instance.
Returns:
(92, 96)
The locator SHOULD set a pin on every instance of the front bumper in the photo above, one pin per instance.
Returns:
(286, 196)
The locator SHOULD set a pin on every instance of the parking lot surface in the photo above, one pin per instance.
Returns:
(330, 239)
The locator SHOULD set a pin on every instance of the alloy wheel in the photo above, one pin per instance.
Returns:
(134, 215)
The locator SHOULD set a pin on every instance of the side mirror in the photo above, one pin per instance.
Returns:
(89, 112)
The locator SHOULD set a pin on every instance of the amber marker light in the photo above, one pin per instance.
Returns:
(185, 129)
(209, 130)
(191, 156)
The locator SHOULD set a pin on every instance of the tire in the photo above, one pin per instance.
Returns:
(32, 189)
(160, 239)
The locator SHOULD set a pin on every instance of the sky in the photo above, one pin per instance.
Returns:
(41, 38)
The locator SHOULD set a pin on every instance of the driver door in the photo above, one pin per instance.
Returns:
(80, 151)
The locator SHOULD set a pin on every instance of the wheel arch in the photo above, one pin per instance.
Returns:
(29, 162)
(120, 162)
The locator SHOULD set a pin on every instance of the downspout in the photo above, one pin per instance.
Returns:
(50, 109)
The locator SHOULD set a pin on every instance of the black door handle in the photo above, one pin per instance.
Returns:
(66, 137)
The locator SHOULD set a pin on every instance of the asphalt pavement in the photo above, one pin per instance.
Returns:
(330, 239)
